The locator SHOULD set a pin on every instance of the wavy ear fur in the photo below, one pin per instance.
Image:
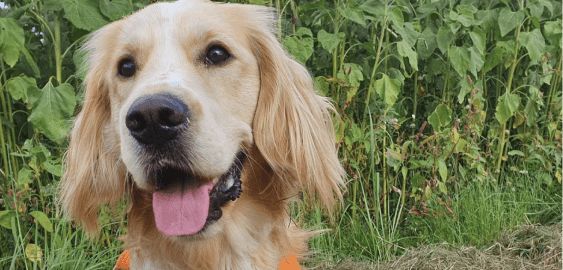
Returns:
(94, 174)
(292, 126)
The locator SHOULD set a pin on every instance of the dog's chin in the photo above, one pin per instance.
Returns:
(188, 207)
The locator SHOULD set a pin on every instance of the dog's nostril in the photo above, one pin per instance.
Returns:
(156, 119)
(170, 117)
(135, 122)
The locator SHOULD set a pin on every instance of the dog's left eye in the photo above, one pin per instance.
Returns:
(216, 55)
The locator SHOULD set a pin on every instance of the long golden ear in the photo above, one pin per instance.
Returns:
(94, 174)
(292, 126)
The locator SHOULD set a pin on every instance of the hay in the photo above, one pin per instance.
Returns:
(530, 247)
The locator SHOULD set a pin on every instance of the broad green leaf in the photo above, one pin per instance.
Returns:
(443, 169)
(408, 33)
(445, 38)
(301, 49)
(509, 20)
(464, 89)
(354, 14)
(476, 62)
(43, 220)
(487, 19)
(396, 16)
(406, 51)
(461, 60)
(441, 117)
(534, 43)
(493, 58)
(537, 7)
(479, 40)
(33, 252)
(374, 7)
(84, 14)
(427, 193)
(6, 218)
(115, 9)
(53, 111)
(427, 44)
(303, 31)
(329, 41)
(465, 17)
(552, 31)
(54, 166)
(18, 87)
(53, 5)
(507, 105)
(321, 85)
(11, 40)
(388, 89)
(25, 176)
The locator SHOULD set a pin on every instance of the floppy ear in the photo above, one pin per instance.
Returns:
(292, 126)
(94, 174)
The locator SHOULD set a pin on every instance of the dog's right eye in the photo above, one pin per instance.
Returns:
(126, 68)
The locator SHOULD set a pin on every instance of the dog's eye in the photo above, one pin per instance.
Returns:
(126, 68)
(216, 55)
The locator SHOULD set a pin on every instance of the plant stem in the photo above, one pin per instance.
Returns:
(4, 145)
(57, 43)
(377, 56)
(508, 88)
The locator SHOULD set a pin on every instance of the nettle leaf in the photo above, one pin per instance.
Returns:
(441, 117)
(396, 16)
(537, 7)
(388, 89)
(406, 51)
(353, 14)
(427, 44)
(54, 109)
(460, 59)
(509, 20)
(303, 31)
(330, 41)
(534, 43)
(84, 14)
(115, 9)
(507, 105)
(445, 38)
(43, 220)
(11, 40)
(301, 49)
(479, 40)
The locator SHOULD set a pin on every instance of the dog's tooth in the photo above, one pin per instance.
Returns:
(229, 183)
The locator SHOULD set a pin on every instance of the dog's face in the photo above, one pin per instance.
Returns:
(184, 84)
(182, 97)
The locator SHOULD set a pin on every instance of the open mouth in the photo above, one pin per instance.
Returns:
(191, 210)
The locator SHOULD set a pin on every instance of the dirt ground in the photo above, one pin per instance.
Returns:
(531, 247)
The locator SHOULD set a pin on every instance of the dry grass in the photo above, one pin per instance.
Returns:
(531, 247)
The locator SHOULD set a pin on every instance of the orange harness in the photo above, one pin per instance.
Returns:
(288, 263)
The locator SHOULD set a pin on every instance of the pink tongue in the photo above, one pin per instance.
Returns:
(181, 214)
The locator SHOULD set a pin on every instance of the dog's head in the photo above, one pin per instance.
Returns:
(176, 96)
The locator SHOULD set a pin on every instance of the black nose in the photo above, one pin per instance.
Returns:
(156, 119)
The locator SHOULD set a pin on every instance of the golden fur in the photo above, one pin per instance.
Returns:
(262, 102)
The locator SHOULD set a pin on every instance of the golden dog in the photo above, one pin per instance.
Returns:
(195, 112)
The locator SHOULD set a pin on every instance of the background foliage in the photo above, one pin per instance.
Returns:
(449, 128)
